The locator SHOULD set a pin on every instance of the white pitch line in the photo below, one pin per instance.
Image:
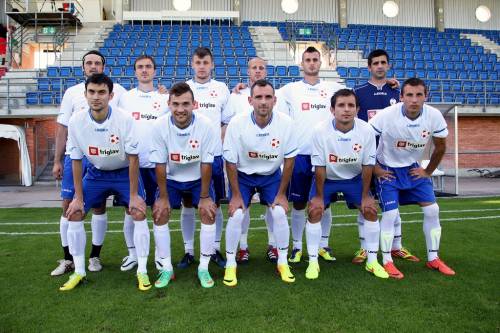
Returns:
(261, 218)
(336, 225)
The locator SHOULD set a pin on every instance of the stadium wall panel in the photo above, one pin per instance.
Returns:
(411, 13)
(155, 5)
(270, 10)
(461, 14)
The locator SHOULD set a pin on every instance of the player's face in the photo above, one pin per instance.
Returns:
(413, 98)
(345, 109)
(98, 96)
(182, 109)
(311, 63)
(144, 71)
(262, 100)
(257, 70)
(92, 64)
(202, 67)
(379, 67)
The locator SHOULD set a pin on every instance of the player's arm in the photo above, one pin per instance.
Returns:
(436, 157)
(281, 198)
(61, 137)
(236, 201)
(206, 206)
(136, 203)
(367, 201)
(161, 207)
(317, 202)
(76, 206)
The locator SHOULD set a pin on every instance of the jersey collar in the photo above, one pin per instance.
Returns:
(109, 115)
(199, 83)
(255, 123)
(317, 82)
(378, 87)
(335, 128)
(182, 129)
(403, 112)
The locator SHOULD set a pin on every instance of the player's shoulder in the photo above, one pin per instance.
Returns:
(321, 127)
(218, 85)
(361, 87)
(282, 117)
(202, 119)
(130, 93)
(332, 85)
(431, 111)
(362, 125)
(76, 89)
(120, 114)
(78, 117)
(118, 87)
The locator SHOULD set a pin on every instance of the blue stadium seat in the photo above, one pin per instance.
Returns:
(43, 84)
(270, 70)
(65, 71)
(280, 71)
(46, 98)
(293, 71)
(52, 71)
(31, 98)
(77, 71)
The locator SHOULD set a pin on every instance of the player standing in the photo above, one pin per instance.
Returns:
(73, 101)
(255, 146)
(210, 100)
(186, 142)
(308, 103)
(145, 104)
(343, 155)
(405, 129)
(106, 138)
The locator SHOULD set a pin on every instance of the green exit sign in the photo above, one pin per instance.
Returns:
(48, 30)
(305, 31)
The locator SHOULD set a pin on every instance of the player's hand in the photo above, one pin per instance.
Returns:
(57, 170)
(75, 207)
(207, 208)
(382, 173)
(282, 201)
(235, 203)
(393, 83)
(238, 87)
(419, 172)
(162, 89)
(136, 205)
(316, 204)
(161, 210)
(368, 205)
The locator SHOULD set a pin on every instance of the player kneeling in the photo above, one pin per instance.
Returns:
(255, 146)
(343, 156)
(187, 144)
(107, 139)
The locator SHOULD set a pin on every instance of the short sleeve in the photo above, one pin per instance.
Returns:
(230, 151)
(158, 149)
(291, 143)
(208, 150)
(225, 115)
(65, 110)
(440, 128)
(370, 147)
(377, 122)
(131, 138)
(318, 149)
(74, 150)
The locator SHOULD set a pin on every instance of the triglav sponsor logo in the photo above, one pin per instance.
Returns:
(96, 151)
(263, 156)
(183, 158)
(342, 160)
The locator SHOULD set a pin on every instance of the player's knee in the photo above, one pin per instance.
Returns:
(278, 213)
(160, 221)
(370, 215)
(75, 217)
(138, 216)
(99, 210)
(315, 215)
(238, 216)
(431, 211)
(205, 218)
(65, 205)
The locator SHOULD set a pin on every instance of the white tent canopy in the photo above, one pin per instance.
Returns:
(17, 133)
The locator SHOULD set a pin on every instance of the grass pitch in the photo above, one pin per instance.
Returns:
(345, 298)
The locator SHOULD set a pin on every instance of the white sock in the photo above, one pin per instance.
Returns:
(372, 235)
(269, 223)
(387, 233)
(233, 232)
(188, 227)
(313, 236)
(207, 235)
(77, 239)
(128, 233)
(63, 230)
(298, 225)
(396, 243)
(162, 242)
(281, 232)
(99, 224)
(244, 230)
(218, 228)
(326, 225)
(432, 230)
(361, 230)
(141, 241)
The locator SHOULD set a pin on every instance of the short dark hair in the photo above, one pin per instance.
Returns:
(96, 53)
(145, 56)
(343, 93)
(414, 82)
(100, 78)
(311, 49)
(202, 52)
(261, 83)
(377, 53)
(180, 88)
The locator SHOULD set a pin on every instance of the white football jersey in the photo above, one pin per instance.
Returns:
(145, 108)
(402, 140)
(183, 150)
(308, 105)
(210, 100)
(258, 150)
(238, 103)
(343, 154)
(74, 101)
(105, 144)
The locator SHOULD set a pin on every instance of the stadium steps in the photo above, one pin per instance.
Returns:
(350, 58)
(88, 38)
(270, 45)
(20, 81)
(480, 40)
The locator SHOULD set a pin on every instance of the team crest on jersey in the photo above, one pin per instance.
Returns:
(213, 94)
(193, 143)
(323, 93)
(357, 147)
(156, 106)
(275, 143)
(393, 101)
(425, 134)
(114, 139)
(342, 160)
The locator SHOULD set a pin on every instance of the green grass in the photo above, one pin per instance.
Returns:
(344, 299)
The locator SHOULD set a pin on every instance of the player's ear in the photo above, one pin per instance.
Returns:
(250, 99)
(274, 100)
(332, 110)
(111, 95)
